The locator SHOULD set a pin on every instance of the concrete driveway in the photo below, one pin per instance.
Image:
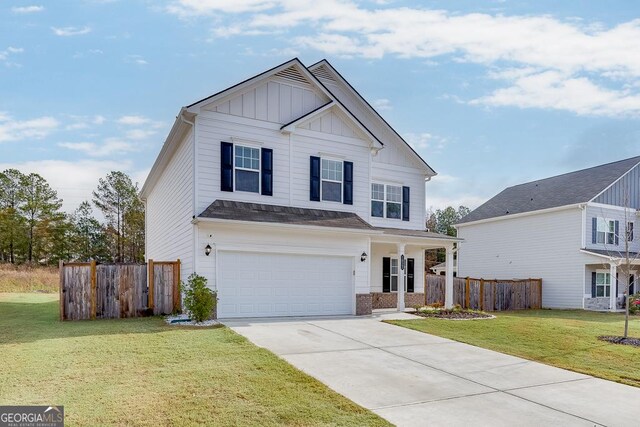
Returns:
(412, 378)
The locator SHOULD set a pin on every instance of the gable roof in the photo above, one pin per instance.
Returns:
(324, 69)
(563, 190)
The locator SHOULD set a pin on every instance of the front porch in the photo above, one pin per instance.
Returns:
(397, 269)
(606, 282)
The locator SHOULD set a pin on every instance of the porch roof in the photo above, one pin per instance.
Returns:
(258, 212)
(613, 255)
(415, 233)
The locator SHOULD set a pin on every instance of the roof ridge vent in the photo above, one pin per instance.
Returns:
(292, 73)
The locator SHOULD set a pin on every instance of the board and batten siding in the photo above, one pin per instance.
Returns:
(615, 214)
(381, 250)
(624, 192)
(169, 208)
(541, 245)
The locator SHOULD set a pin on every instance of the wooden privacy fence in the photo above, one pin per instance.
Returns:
(488, 295)
(89, 290)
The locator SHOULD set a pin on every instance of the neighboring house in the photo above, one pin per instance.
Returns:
(293, 197)
(569, 230)
(441, 269)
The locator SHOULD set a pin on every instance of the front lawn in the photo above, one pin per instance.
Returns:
(143, 372)
(563, 338)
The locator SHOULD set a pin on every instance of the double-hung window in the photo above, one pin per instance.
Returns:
(603, 284)
(247, 169)
(606, 232)
(386, 201)
(331, 180)
(394, 274)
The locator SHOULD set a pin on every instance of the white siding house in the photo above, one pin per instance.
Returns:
(308, 202)
(544, 229)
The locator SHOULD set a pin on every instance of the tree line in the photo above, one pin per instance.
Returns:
(34, 229)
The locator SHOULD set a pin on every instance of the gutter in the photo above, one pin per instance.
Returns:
(519, 215)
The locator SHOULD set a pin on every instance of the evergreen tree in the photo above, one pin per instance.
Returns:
(12, 224)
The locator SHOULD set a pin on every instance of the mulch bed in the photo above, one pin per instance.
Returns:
(620, 340)
(454, 315)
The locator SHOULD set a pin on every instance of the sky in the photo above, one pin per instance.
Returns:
(490, 94)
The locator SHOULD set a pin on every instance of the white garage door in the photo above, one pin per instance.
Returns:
(270, 285)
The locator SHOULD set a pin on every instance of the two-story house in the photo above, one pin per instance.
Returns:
(571, 230)
(293, 197)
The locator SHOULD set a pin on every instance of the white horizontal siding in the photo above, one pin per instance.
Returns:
(545, 246)
(170, 209)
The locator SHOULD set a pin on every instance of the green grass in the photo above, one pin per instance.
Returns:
(562, 338)
(143, 372)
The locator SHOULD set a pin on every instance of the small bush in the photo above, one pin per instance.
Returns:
(437, 304)
(634, 303)
(198, 299)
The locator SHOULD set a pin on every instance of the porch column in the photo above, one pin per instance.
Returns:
(613, 294)
(401, 275)
(448, 293)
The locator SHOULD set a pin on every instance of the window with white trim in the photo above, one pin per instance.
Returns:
(603, 283)
(331, 180)
(247, 168)
(386, 201)
(394, 274)
(606, 231)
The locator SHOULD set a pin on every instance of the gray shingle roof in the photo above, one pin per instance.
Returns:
(256, 212)
(613, 253)
(414, 233)
(562, 190)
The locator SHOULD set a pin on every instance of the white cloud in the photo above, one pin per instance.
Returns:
(136, 59)
(110, 147)
(133, 120)
(138, 134)
(27, 9)
(5, 55)
(70, 31)
(425, 141)
(382, 104)
(17, 130)
(73, 180)
(564, 57)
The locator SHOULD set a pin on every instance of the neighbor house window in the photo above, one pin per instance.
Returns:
(630, 232)
(331, 180)
(247, 169)
(606, 231)
(603, 284)
(386, 201)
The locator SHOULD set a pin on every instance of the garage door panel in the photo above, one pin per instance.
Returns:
(265, 285)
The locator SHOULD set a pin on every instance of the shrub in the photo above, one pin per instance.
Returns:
(437, 304)
(198, 299)
(634, 303)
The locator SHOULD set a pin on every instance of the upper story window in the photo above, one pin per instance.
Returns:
(247, 169)
(332, 180)
(606, 231)
(386, 201)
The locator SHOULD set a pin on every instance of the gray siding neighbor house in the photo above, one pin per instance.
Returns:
(571, 230)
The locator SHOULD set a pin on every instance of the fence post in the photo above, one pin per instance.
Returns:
(481, 294)
(176, 285)
(61, 274)
(494, 285)
(150, 284)
(93, 289)
(426, 286)
(467, 298)
(540, 293)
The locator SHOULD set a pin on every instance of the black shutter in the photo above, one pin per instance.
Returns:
(410, 270)
(630, 232)
(314, 179)
(631, 284)
(405, 203)
(593, 284)
(594, 230)
(267, 172)
(617, 233)
(386, 274)
(226, 166)
(615, 287)
(347, 198)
